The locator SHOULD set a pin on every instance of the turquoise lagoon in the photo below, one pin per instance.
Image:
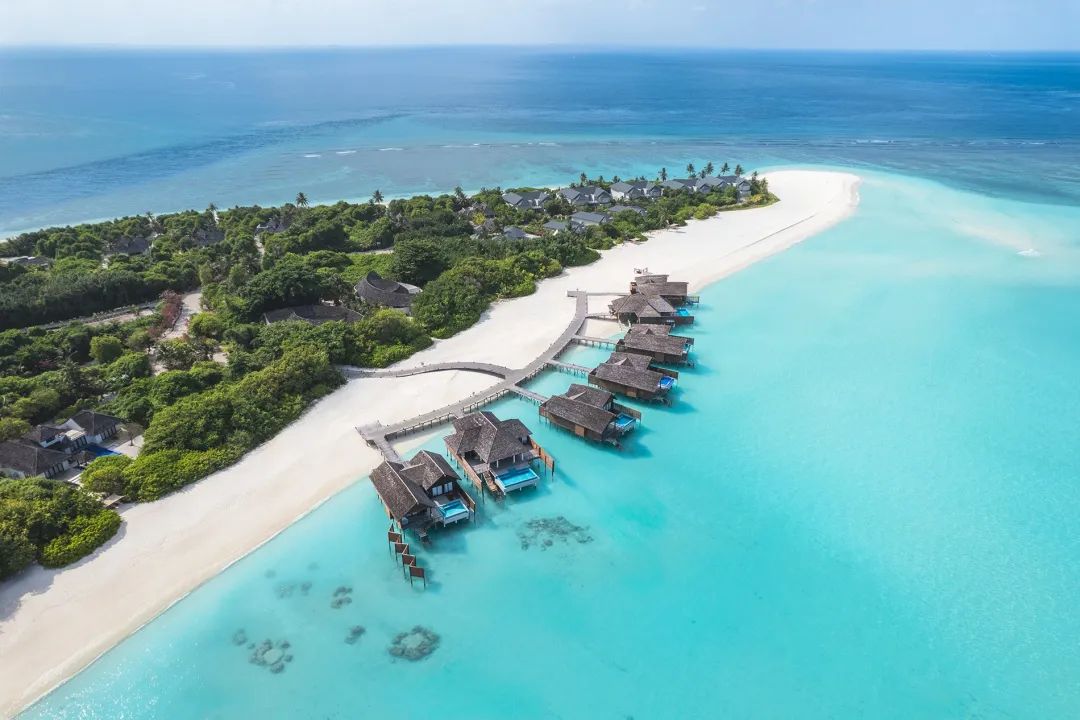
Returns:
(862, 504)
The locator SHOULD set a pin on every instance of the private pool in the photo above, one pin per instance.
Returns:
(682, 312)
(624, 422)
(516, 479)
(666, 382)
(453, 511)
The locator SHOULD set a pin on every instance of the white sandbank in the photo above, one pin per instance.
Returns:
(54, 623)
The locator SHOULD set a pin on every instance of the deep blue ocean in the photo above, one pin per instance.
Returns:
(863, 503)
(93, 135)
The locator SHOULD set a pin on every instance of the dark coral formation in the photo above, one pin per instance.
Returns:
(414, 645)
(270, 656)
(341, 597)
(545, 531)
(239, 637)
(354, 634)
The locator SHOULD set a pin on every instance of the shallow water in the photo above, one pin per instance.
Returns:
(862, 504)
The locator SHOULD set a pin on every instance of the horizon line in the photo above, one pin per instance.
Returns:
(570, 47)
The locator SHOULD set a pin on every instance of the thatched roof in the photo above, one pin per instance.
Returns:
(489, 437)
(642, 279)
(313, 314)
(628, 376)
(377, 289)
(428, 469)
(655, 342)
(638, 362)
(641, 306)
(130, 246)
(582, 405)
(664, 289)
(402, 496)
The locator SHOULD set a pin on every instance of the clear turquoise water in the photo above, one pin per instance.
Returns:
(862, 505)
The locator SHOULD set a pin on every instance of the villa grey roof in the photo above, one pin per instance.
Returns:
(130, 246)
(378, 289)
(588, 195)
(313, 314)
(677, 184)
(654, 330)
(516, 233)
(204, 238)
(272, 226)
(641, 279)
(42, 433)
(490, 438)
(583, 406)
(590, 218)
(526, 200)
(627, 375)
(641, 305)
(477, 208)
(401, 495)
(623, 208)
(28, 260)
(654, 342)
(94, 423)
(555, 225)
(725, 180)
(428, 469)
(635, 188)
(29, 458)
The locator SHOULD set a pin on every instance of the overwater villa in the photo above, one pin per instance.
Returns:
(648, 309)
(496, 454)
(422, 493)
(659, 285)
(656, 342)
(634, 376)
(590, 413)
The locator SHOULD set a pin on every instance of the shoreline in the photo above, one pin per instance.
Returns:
(57, 622)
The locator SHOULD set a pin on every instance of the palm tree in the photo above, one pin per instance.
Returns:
(212, 209)
(460, 194)
(690, 169)
(738, 170)
(376, 197)
(584, 178)
(614, 178)
(600, 180)
(703, 174)
(708, 169)
(724, 170)
(663, 174)
(301, 200)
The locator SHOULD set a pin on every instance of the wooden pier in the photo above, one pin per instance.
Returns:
(568, 367)
(379, 435)
(593, 341)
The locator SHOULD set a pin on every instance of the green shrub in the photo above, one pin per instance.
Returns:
(106, 348)
(106, 474)
(16, 551)
(207, 325)
(84, 535)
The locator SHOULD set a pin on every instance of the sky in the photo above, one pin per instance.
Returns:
(1038, 25)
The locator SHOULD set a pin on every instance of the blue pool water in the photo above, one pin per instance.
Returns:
(666, 382)
(682, 312)
(516, 477)
(624, 421)
(453, 509)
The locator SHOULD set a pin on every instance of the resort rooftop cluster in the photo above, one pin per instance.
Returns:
(500, 456)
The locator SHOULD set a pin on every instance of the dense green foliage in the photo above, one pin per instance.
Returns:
(49, 521)
(105, 474)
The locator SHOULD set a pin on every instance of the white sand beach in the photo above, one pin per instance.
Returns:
(54, 623)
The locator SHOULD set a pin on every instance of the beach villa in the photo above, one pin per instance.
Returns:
(377, 289)
(526, 200)
(634, 376)
(590, 413)
(497, 454)
(129, 246)
(586, 196)
(312, 314)
(656, 342)
(48, 450)
(588, 219)
(516, 233)
(614, 209)
(636, 190)
(422, 493)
